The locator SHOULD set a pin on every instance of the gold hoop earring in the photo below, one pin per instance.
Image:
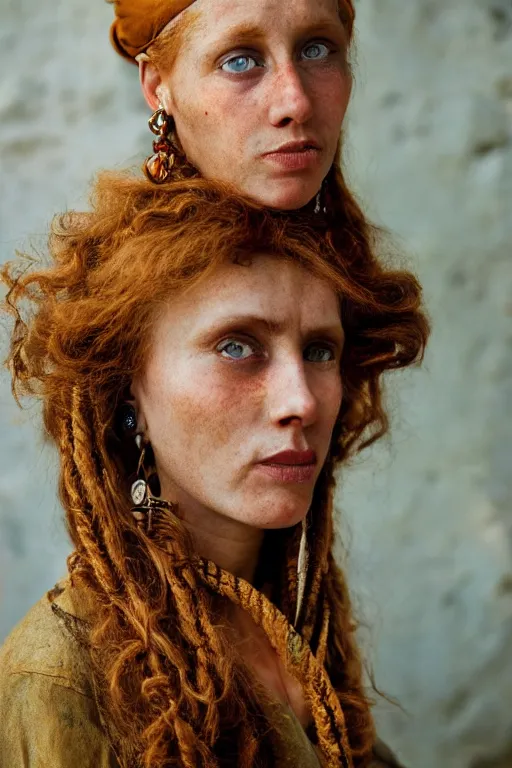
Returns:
(158, 167)
(145, 503)
(302, 568)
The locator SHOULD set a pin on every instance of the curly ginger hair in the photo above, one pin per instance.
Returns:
(170, 689)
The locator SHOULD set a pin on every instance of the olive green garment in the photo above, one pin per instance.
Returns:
(48, 713)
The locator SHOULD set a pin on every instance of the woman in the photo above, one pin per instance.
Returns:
(216, 361)
(253, 93)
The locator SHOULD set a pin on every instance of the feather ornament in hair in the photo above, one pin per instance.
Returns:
(302, 568)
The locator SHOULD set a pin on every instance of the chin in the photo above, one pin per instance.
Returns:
(287, 195)
(284, 514)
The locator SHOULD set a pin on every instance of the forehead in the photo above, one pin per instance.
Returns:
(217, 17)
(280, 291)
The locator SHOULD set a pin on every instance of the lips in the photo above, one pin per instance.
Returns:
(293, 147)
(295, 157)
(292, 458)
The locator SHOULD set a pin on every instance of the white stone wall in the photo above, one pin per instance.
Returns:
(428, 513)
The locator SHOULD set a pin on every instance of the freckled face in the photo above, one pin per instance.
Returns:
(250, 78)
(240, 368)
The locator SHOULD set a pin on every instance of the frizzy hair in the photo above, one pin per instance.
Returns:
(170, 688)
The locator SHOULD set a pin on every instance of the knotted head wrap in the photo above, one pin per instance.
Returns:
(139, 22)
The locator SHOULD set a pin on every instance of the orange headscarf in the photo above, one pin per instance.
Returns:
(139, 22)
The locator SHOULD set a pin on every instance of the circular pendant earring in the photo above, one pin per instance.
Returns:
(144, 502)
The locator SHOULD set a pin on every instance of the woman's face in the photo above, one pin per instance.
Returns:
(258, 92)
(243, 367)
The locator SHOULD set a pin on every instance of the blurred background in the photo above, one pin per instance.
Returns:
(427, 514)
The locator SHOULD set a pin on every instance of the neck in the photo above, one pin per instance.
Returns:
(233, 546)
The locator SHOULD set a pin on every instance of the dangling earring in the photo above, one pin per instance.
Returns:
(158, 167)
(302, 568)
(320, 206)
(144, 501)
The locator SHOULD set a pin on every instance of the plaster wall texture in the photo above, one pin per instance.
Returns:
(427, 517)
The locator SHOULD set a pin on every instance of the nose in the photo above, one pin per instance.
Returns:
(289, 100)
(290, 395)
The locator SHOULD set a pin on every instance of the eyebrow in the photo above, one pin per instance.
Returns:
(252, 34)
(243, 34)
(275, 327)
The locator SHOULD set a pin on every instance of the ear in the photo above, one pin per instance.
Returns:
(155, 91)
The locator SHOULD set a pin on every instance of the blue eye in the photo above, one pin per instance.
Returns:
(316, 51)
(320, 354)
(239, 64)
(234, 350)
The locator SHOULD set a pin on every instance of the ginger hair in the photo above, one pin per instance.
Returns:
(170, 689)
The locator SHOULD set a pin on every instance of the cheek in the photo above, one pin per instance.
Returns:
(331, 398)
(232, 406)
(332, 95)
(182, 426)
(215, 131)
(215, 414)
